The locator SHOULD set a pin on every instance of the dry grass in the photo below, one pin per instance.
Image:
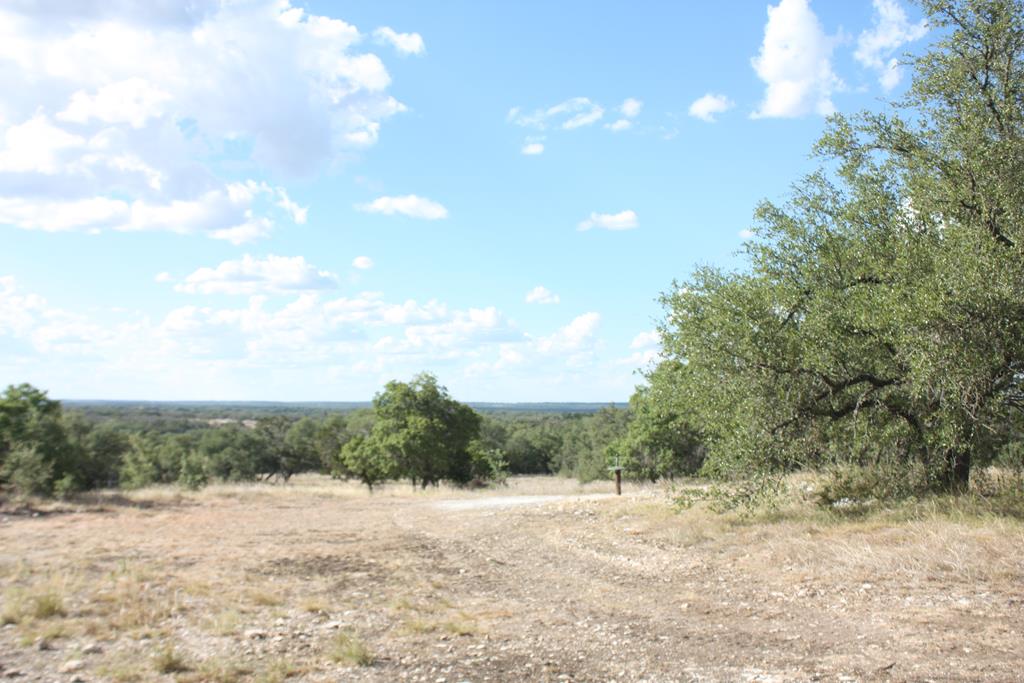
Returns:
(177, 573)
(39, 600)
(278, 671)
(169, 660)
(346, 648)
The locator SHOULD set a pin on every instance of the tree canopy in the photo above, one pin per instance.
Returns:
(881, 319)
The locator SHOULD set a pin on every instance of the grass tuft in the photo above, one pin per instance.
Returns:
(170, 661)
(346, 648)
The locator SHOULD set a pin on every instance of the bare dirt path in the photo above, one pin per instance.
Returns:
(313, 584)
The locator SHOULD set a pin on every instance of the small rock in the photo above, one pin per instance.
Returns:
(78, 679)
(14, 673)
(43, 644)
(92, 649)
(71, 666)
(255, 634)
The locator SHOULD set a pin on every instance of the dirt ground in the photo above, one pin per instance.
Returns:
(542, 581)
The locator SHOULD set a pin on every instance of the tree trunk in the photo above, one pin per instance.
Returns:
(957, 476)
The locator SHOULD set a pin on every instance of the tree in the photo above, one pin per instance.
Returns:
(288, 447)
(367, 459)
(425, 431)
(661, 441)
(34, 448)
(586, 440)
(881, 320)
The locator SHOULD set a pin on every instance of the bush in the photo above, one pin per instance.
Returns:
(859, 484)
(28, 472)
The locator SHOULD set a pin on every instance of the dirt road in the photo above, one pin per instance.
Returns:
(327, 584)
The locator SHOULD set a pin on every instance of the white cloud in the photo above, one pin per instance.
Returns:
(133, 101)
(619, 125)
(631, 107)
(362, 262)
(541, 295)
(746, 233)
(163, 277)
(407, 205)
(37, 146)
(228, 213)
(646, 348)
(877, 45)
(303, 347)
(795, 62)
(646, 340)
(624, 220)
(533, 148)
(405, 43)
(575, 112)
(706, 107)
(111, 111)
(578, 334)
(274, 274)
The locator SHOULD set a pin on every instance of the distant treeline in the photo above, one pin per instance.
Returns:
(412, 431)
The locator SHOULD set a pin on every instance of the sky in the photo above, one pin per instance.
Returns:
(300, 201)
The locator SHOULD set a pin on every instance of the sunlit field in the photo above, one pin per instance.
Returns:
(320, 580)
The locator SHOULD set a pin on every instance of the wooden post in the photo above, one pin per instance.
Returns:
(618, 480)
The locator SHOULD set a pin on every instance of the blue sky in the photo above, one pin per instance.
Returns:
(271, 201)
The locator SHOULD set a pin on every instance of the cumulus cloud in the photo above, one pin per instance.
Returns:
(362, 262)
(573, 337)
(302, 346)
(708, 106)
(646, 348)
(619, 125)
(407, 205)
(541, 295)
(746, 233)
(273, 274)
(877, 45)
(795, 62)
(405, 43)
(624, 220)
(227, 213)
(533, 148)
(111, 111)
(163, 277)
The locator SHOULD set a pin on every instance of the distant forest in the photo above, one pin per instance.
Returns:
(413, 431)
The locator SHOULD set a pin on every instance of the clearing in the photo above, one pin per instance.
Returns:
(541, 581)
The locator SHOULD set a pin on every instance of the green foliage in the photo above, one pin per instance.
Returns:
(414, 430)
(488, 465)
(661, 441)
(586, 451)
(881, 320)
(193, 474)
(233, 453)
(365, 458)
(28, 471)
(425, 431)
(33, 444)
(152, 461)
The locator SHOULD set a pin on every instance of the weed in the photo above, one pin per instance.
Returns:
(169, 661)
(315, 606)
(265, 598)
(348, 649)
(225, 623)
(461, 627)
(278, 671)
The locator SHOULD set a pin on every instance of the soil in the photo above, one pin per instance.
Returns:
(272, 584)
